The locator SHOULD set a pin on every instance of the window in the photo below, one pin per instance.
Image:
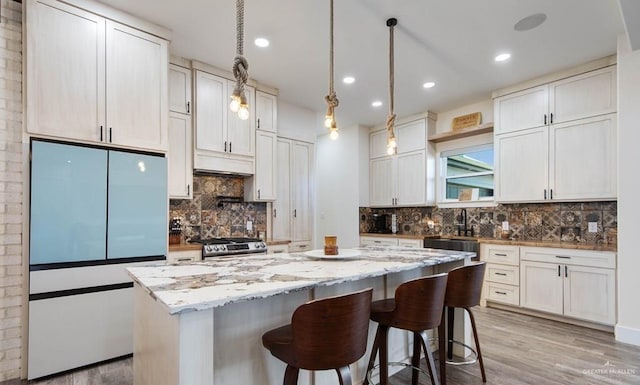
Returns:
(467, 173)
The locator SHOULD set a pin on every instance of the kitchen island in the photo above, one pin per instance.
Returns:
(202, 322)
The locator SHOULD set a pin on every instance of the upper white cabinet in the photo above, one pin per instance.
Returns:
(93, 79)
(261, 187)
(565, 150)
(180, 133)
(179, 89)
(577, 97)
(224, 142)
(266, 112)
(401, 179)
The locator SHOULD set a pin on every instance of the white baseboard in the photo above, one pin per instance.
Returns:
(627, 335)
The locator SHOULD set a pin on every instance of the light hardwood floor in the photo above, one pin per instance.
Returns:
(517, 349)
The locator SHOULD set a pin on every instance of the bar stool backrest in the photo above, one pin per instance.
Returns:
(419, 303)
(331, 332)
(465, 285)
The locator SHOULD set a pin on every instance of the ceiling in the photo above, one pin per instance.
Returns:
(451, 43)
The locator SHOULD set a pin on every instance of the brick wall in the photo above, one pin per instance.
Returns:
(11, 190)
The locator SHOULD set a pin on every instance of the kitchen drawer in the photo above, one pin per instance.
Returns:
(184, 256)
(502, 293)
(378, 241)
(587, 258)
(277, 249)
(502, 254)
(296, 247)
(509, 275)
(413, 243)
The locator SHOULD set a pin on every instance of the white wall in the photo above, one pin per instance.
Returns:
(296, 122)
(443, 124)
(340, 178)
(628, 327)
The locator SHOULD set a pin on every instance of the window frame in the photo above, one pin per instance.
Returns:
(443, 177)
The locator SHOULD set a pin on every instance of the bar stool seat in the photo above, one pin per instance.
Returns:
(463, 291)
(417, 306)
(329, 333)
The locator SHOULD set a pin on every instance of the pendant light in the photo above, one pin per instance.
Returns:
(239, 102)
(331, 98)
(391, 119)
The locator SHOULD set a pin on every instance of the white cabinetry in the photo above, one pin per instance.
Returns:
(180, 156)
(391, 241)
(266, 112)
(93, 79)
(184, 256)
(180, 133)
(179, 89)
(558, 141)
(402, 179)
(574, 283)
(224, 142)
(261, 187)
(502, 274)
(277, 249)
(292, 209)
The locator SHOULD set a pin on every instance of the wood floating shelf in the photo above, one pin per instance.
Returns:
(462, 133)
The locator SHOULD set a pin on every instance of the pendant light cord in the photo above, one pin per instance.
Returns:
(391, 119)
(331, 99)
(240, 64)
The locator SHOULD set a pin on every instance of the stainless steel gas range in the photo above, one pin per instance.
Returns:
(231, 247)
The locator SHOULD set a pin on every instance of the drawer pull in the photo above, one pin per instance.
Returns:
(184, 259)
(500, 292)
(377, 241)
(278, 251)
(563, 257)
(501, 255)
(505, 274)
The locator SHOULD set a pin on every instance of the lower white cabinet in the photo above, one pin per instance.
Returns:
(502, 274)
(574, 283)
(391, 241)
(277, 249)
(184, 256)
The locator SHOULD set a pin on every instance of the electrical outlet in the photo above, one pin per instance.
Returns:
(593, 227)
(505, 226)
(249, 225)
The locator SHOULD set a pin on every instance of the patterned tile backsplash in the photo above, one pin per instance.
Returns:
(217, 209)
(565, 222)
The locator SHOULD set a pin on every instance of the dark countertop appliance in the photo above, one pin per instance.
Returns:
(380, 224)
(231, 247)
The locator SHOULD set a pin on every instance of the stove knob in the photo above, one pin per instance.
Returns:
(208, 248)
(262, 245)
(223, 247)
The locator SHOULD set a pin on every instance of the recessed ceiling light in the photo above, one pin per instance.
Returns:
(428, 84)
(348, 79)
(530, 22)
(502, 57)
(376, 103)
(261, 42)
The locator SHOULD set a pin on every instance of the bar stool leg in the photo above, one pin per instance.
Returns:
(344, 375)
(379, 346)
(475, 338)
(450, 317)
(415, 359)
(424, 342)
(442, 356)
(291, 375)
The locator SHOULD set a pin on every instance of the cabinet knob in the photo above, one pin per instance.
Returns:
(101, 129)
(258, 193)
(551, 118)
(110, 137)
(188, 107)
(229, 146)
(545, 118)
(188, 189)
(258, 122)
(225, 150)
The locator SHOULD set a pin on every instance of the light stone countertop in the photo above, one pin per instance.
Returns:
(203, 285)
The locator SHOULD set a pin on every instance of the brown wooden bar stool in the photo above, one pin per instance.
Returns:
(329, 333)
(463, 290)
(417, 307)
